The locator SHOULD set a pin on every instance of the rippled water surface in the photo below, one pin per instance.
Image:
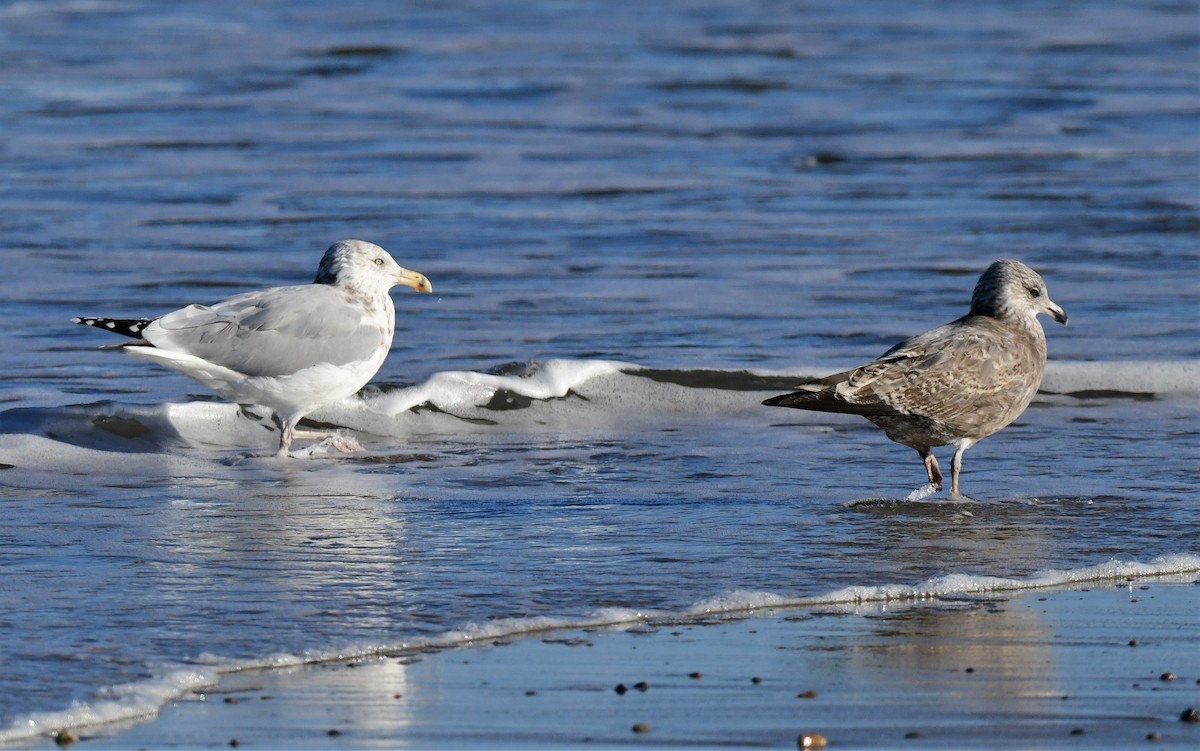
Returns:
(623, 207)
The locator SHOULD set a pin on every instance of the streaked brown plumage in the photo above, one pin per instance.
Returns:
(955, 384)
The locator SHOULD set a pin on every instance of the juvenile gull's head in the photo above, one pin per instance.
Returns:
(364, 267)
(1009, 289)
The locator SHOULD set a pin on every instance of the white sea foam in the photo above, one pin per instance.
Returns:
(143, 700)
(554, 394)
(454, 390)
(1162, 377)
(955, 584)
(114, 704)
(608, 389)
(614, 388)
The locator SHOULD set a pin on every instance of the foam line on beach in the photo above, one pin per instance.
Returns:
(954, 584)
(113, 704)
(143, 700)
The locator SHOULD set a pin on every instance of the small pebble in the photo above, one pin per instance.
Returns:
(811, 740)
(912, 734)
(65, 737)
(969, 670)
(231, 700)
(233, 743)
(696, 675)
(1154, 736)
(1190, 715)
(756, 680)
(642, 686)
(809, 694)
(531, 692)
(334, 733)
(620, 689)
(1076, 731)
(641, 727)
(1133, 642)
(1167, 677)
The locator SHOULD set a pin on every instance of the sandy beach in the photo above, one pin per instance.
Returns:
(1109, 665)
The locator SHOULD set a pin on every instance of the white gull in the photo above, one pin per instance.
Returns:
(288, 349)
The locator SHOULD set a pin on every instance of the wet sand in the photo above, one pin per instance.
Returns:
(1112, 665)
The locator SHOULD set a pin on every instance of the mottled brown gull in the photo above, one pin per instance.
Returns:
(955, 384)
(288, 349)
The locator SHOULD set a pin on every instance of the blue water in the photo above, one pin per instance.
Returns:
(640, 220)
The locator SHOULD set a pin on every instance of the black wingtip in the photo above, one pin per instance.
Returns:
(130, 327)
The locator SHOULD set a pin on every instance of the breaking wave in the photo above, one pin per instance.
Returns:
(533, 396)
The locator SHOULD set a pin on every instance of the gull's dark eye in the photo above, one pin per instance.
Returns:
(379, 262)
(1035, 292)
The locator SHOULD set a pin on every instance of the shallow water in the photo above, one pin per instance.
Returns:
(621, 212)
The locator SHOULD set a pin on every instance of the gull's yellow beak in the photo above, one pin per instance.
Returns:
(419, 282)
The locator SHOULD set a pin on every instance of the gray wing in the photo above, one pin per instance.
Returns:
(272, 332)
(971, 370)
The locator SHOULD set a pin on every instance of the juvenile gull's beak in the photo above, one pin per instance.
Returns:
(414, 280)
(1058, 313)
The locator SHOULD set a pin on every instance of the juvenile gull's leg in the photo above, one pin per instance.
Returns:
(935, 478)
(932, 469)
(956, 469)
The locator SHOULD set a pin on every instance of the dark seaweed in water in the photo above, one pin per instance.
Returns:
(716, 379)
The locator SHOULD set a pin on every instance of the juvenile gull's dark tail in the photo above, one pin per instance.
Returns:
(131, 327)
(822, 395)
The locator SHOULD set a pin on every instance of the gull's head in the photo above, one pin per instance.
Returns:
(360, 265)
(1010, 289)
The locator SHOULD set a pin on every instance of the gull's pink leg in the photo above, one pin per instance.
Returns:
(956, 467)
(932, 469)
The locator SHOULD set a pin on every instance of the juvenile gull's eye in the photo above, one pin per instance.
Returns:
(1035, 292)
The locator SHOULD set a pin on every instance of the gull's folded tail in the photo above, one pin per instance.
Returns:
(131, 327)
(821, 396)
